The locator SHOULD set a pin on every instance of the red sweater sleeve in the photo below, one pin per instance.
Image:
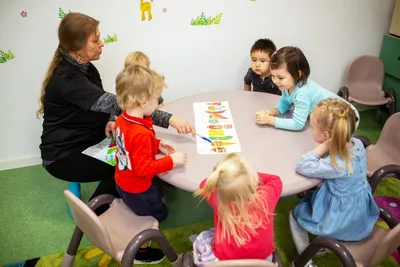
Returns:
(143, 159)
(272, 184)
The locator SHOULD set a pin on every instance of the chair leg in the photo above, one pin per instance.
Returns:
(276, 258)
(187, 259)
(75, 188)
(389, 92)
(73, 246)
(392, 108)
(344, 93)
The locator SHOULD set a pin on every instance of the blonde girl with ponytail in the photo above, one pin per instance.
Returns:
(342, 207)
(243, 202)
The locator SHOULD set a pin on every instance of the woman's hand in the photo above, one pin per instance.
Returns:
(110, 129)
(181, 125)
(165, 148)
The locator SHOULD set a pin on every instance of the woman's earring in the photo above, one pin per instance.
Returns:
(79, 59)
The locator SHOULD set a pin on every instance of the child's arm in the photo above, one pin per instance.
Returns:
(272, 184)
(283, 104)
(143, 160)
(300, 114)
(314, 166)
(247, 80)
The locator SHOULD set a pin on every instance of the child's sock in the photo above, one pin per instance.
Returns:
(300, 236)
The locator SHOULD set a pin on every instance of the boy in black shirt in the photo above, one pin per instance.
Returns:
(259, 74)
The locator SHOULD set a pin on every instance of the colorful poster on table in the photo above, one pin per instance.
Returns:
(214, 121)
(104, 151)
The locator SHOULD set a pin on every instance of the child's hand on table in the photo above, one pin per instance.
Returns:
(166, 148)
(267, 116)
(272, 112)
(263, 117)
(178, 158)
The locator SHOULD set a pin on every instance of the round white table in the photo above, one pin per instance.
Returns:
(268, 150)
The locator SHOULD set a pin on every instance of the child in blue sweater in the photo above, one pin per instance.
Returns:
(343, 207)
(290, 72)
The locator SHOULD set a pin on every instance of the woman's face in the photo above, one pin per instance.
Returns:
(92, 48)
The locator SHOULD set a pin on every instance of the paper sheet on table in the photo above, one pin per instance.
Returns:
(104, 151)
(214, 121)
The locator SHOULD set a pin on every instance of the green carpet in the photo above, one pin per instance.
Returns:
(178, 237)
(35, 222)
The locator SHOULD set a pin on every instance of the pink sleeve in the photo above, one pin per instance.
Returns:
(203, 183)
(212, 201)
(272, 184)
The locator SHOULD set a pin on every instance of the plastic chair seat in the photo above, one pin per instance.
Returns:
(362, 251)
(118, 231)
(364, 84)
(369, 101)
(122, 224)
(367, 94)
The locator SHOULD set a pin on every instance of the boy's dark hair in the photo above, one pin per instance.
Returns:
(295, 61)
(263, 45)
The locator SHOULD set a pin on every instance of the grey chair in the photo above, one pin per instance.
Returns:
(118, 231)
(365, 253)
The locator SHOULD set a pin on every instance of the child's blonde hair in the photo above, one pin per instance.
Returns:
(239, 202)
(136, 84)
(335, 116)
(137, 57)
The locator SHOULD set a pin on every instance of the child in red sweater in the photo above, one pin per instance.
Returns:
(138, 89)
(243, 204)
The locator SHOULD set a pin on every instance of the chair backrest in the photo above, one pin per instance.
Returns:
(388, 244)
(89, 223)
(242, 263)
(365, 75)
(389, 140)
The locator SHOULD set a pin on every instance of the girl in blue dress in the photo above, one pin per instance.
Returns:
(342, 207)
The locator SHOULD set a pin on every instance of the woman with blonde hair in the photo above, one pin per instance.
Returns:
(77, 111)
(244, 204)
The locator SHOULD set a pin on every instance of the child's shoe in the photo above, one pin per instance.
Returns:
(149, 256)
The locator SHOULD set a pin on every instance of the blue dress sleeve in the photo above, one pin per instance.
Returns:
(313, 166)
(300, 114)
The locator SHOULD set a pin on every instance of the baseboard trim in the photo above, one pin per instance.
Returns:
(19, 163)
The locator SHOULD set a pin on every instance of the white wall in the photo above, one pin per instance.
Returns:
(193, 59)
